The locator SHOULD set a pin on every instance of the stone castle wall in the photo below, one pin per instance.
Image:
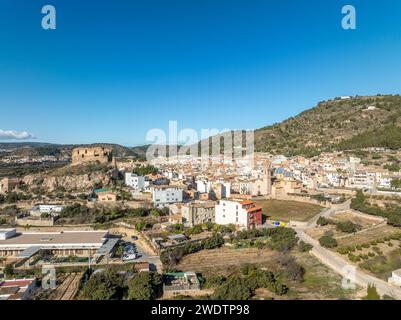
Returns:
(91, 154)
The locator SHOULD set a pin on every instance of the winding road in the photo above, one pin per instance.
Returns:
(350, 272)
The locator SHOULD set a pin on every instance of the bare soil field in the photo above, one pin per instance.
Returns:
(223, 259)
(288, 210)
(364, 222)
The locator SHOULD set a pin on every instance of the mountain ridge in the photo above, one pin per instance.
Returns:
(336, 124)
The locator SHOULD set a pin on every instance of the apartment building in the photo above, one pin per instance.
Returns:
(362, 179)
(242, 213)
(198, 212)
(137, 183)
(162, 196)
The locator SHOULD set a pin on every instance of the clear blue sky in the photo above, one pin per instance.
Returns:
(114, 69)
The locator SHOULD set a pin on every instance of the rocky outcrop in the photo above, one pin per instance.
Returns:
(83, 182)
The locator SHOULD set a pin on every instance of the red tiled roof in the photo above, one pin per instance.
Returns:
(16, 283)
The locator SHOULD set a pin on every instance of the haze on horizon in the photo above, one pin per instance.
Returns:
(113, 70)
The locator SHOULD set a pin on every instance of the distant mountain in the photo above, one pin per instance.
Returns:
(41, 149)
(18, 145)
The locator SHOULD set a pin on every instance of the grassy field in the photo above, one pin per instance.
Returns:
(320, 282)
(288, 210)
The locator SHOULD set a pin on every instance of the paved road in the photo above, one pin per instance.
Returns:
(146, 257)
(328, 212)
(338, 264)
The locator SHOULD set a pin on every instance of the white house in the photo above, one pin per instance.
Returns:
(164, 195)
(137, 183)
(49, 208)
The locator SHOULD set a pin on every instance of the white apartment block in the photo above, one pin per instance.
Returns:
(363, 179)
(203, 186)
(162, 196)
(242, 214)
(137, 183)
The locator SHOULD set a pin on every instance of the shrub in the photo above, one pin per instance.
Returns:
(144, 286)
(347, 227)
(322, 221)
(214, 242)
(328, 242)
(343, 250)
(106, 285)
(304, 247)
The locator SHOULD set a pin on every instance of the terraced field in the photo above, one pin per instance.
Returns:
(223, 258)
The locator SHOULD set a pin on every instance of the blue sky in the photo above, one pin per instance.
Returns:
(114, 69)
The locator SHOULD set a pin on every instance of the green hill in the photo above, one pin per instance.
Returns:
(337, 124)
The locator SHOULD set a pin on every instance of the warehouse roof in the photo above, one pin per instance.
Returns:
(43, 239)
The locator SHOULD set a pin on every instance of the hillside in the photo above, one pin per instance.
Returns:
(338, 124)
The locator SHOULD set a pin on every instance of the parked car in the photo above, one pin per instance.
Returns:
(130, 251)
(133, 238)
(129, 256)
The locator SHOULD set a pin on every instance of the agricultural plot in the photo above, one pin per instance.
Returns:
(379, 253)
(224, 259)
(367, 236)
(367, 228)
(319, 281)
